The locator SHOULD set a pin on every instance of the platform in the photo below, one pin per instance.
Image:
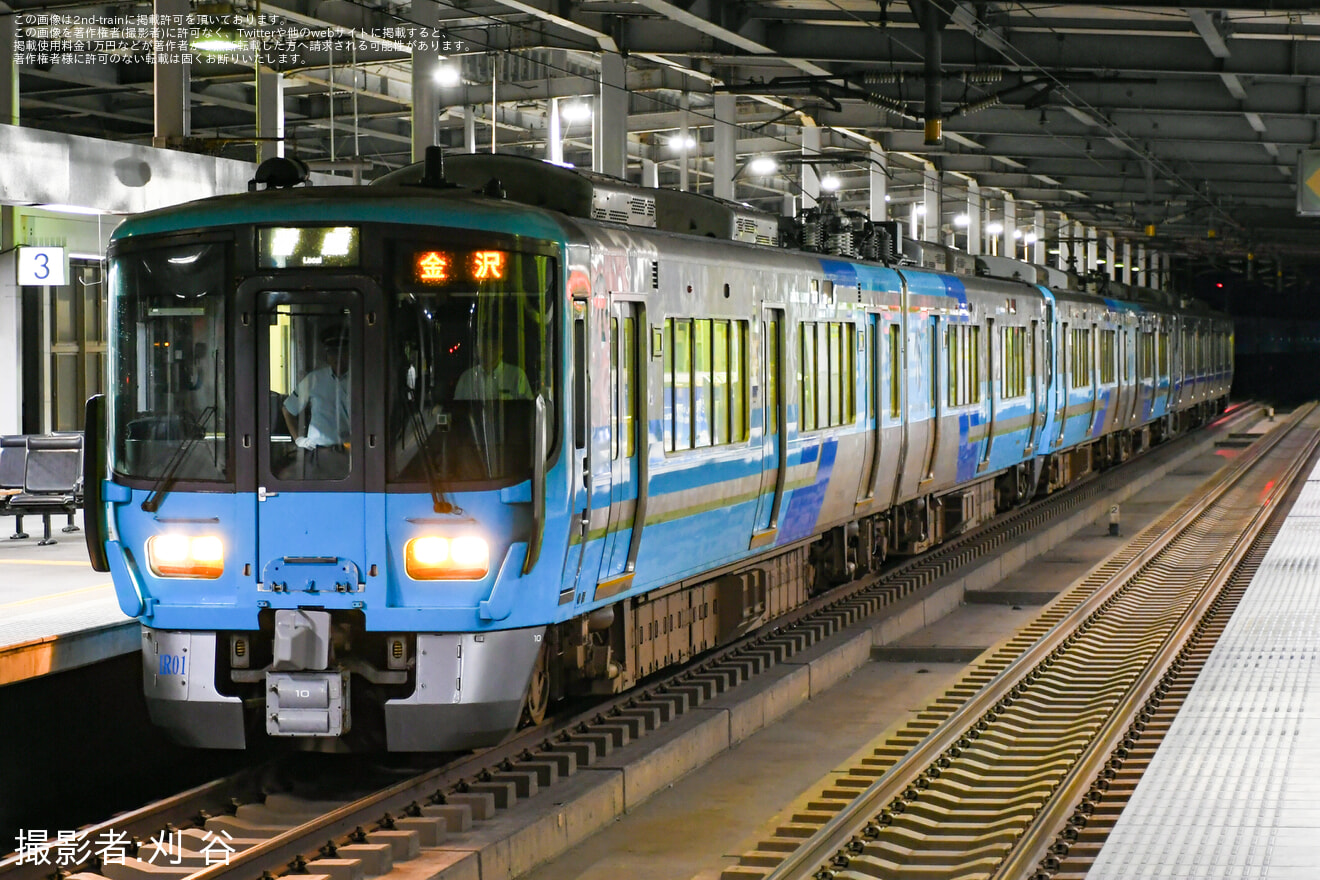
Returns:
(1234, 789)
(56, 613)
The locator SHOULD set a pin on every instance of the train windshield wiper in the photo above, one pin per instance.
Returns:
(438, 502)
(165, 481)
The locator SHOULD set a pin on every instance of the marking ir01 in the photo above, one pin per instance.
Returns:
(173, 664)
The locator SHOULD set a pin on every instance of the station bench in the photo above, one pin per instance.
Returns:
(41, 475)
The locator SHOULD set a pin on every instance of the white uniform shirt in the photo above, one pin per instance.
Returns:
(506, 382)
(328, 396)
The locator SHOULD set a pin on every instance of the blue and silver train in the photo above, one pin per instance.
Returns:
(393, 467)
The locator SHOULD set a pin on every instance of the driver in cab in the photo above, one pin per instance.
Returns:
(326, 392)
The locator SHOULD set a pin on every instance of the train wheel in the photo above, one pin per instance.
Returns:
(537, 700)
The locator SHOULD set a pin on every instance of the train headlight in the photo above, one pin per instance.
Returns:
(182, 556)
(433, 558)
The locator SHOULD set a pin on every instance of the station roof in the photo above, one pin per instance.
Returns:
(1174, 125)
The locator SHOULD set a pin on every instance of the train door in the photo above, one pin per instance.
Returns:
(929, 363)
(774, 436)
(628, 449)
(991, 382)
(1061, 394)
(318, 449)
(1129, 373)
(874, 372)
(1033, 384)
(589, 467)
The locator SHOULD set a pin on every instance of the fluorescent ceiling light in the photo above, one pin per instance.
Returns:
(447, 76)
(763, 165)
(71, 209)
(994, 228)
(961, 219)
(829, 183)
(578, 111)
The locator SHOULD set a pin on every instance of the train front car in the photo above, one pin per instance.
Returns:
(328, 411)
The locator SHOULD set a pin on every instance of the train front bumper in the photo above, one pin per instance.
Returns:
(468, 693)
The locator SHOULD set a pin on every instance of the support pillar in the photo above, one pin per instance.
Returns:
(1092, 249)
(425, 87)
(609, 137)
(683, 135)
(470, 128)
(931, 196)
(8, 69)
(1127, 262)
(810, 175)
(170, 80)
(879, 184)
(11, 326)
(650, 173)
(554, 134)
(1038, 247)
(1011, 230)
(726, 145)
(270, 114)
(975, 227)
(1143, 271)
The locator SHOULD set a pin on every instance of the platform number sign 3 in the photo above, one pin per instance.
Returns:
(41, 266)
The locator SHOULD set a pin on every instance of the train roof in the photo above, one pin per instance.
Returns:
(349, 204)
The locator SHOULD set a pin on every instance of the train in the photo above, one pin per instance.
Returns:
(395, 467)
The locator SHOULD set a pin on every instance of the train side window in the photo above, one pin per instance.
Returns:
(835, 360)
(1013, 348)
(1081, 358)
(964, 342)
(1164, 355)
(807, 376)
(1107, 356)
(702, 383)
(579, 384)
(628, 386)
(737, 381)
(951, 335)
(720, 383)
(705, 372)
(849, 373)
(873, 366)
(615, 405)
(895, 371)
(681, 381)
(772, 356)
(975, 386)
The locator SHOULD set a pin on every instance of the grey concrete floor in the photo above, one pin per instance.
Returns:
(700, 824)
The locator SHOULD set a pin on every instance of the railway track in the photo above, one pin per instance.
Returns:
(239, 827)
(1014, 771)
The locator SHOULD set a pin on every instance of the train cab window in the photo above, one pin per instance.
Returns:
(471, 345)
(310, 385)
(169, 353)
